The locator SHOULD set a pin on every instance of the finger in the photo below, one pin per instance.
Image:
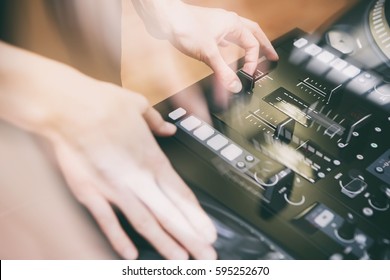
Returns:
(157, 124)
(147, 226)
(265, 45)
(224, 74)
(108, 222)
(246, 40)
(173, 221)
(185, 200)
(83, 184)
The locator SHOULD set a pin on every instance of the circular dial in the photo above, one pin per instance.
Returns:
(378, 21)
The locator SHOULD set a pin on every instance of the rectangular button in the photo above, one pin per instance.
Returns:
(217, 142)
(300, 43)
(325, 57)
(178, 113)
(203, 132)
(231, 152)
(313, 49)
(190, 123)
(351, 71)
(338, 64)
(324, 218)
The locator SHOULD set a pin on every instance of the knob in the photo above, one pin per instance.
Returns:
(247, 81)
(285, 130)
(348, 228)
(379, 199)
(380, 250)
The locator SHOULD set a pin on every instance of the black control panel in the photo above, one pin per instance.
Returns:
(297, 165)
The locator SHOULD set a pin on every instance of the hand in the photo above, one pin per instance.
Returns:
(109, 156)
(103, 141)
(199, 32)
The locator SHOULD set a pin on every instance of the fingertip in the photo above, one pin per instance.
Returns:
(271, 53)
(235, 86)
(274, 56)
(179, 255)
(250, 68)
(130, 253)
(169, 128)
(208, 254)
(210, 235)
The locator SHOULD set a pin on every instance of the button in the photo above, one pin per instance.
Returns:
(190, 123)
(217, 142)
(203, 132)
(379, 169)
(178, 113)
(321, 175)
(325, 57)
(336, 162)
(351, 71)
(367, 211)
(338, 64)
(250, 158)
(313, 49)
(300, 43)
(324, 218)
(231, 152)
(241, 164)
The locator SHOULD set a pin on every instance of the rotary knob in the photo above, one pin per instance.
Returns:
(347, 229)
(379, 199)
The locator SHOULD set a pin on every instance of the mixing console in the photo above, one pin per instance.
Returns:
(298, 164)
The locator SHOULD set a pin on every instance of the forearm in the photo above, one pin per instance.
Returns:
(28, 88)
(156, 15)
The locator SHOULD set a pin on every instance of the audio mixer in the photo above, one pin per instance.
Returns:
(295, 166)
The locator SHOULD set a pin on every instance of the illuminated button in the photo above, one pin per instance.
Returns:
(338, 64)
(300, 43)
(324, 218)
(190, 123)
(313, 49)
(217, 142)
(249, 158)
(178, 113)
(379, 169)
(203, 132)
(368, 211)
(231, 152)
(351, 71)
(325, 57)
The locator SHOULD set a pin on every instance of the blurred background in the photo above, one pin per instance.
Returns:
(38, 217)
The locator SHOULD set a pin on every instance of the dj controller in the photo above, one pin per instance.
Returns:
(297, 165)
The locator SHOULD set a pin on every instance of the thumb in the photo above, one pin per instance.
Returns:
(157, 124)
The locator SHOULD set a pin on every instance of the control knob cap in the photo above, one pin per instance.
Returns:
(379, 199)
(348, 228)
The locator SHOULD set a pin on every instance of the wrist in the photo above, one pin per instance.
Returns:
(157, 15)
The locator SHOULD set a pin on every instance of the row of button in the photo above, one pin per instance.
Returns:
(212, 139)
(326, 57)
(339, 71)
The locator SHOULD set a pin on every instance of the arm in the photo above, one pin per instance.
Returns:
(101, 135)
(199, 32)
